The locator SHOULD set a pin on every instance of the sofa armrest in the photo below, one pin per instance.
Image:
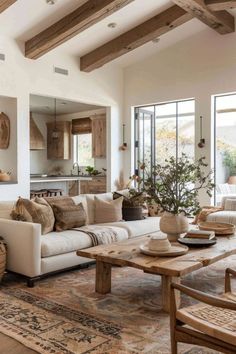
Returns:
(23, 240)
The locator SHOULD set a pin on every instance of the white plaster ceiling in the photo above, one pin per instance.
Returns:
(26, 18)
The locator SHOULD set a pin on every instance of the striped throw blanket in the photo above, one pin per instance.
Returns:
(100, 235)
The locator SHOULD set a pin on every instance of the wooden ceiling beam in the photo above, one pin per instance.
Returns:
(219, 5)
(220, 21)
(136, 37)
(69, 26)
(4, 4)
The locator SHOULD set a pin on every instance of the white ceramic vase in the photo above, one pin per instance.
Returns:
(173, 225)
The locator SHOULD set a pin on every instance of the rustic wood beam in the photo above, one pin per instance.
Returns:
(220, 21)
(219, 5)
(69, 26)
(136, 37)
(4, 4)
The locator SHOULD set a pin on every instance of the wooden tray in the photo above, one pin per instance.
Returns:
(176, 250)
(220, 228)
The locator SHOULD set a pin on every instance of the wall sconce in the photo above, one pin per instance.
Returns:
(202, 142)
(123, 147)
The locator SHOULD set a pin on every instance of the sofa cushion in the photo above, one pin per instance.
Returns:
(71, 240)
(107, 211)
(138, 227)
(227, 216)
(68, 217)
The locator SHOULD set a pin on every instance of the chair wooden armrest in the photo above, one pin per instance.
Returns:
(228, 273)
(202, 324)
(206, 298)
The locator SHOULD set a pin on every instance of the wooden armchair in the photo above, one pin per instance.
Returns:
(210, 323)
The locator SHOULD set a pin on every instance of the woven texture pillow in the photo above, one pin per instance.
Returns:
(107, 211)
(61, 201)
(230, 204)
(37, 211)
(69, 217)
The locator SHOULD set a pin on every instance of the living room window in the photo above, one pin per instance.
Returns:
(225, 145)
(164, 130)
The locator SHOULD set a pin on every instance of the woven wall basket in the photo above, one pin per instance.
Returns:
(3, 256)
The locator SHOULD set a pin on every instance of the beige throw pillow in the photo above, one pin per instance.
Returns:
(107, 211)
(37, 211)
(69, 217)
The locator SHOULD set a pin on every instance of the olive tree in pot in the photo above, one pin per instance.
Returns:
(229, 160)
(174, 186)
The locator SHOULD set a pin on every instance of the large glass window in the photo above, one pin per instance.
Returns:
(164, 130)
(225, 146)
(82, 149)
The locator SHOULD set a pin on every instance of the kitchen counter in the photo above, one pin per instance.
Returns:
(59, 179)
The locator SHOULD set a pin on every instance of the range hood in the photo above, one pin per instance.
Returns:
(37, 141)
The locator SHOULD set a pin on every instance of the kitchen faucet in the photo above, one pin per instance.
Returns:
(76, 165)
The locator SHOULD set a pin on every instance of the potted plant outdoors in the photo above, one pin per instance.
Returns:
(229, 160)
(174, 186)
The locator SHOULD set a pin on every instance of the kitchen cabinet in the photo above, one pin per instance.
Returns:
(96, 185)
(99, 136)
(59, 148)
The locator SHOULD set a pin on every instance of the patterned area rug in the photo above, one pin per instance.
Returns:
(63, 314)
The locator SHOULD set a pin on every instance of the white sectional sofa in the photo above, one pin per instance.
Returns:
(34, 255)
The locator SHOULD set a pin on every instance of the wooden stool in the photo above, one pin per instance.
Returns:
(38, 193)
(54, 192)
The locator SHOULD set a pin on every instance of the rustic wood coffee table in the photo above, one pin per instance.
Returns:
(127, 253)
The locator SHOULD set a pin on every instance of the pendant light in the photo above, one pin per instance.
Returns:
(55, 133)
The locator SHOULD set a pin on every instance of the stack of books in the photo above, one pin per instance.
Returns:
(200, 234)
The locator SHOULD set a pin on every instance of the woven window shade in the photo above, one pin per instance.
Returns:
(81, 126)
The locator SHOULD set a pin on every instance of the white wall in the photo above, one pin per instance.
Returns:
(198, 67)
(8, 157)
(21, 76)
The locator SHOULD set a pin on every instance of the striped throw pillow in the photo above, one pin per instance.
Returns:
(230, 204)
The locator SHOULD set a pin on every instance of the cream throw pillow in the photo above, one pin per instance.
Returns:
(107, 211)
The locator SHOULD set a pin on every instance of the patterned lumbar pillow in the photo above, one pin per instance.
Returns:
(107, 211)
(69, 217)
(37, 211)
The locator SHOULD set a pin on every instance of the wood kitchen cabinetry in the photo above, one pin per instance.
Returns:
(96, 185)
(59, 148)
(99, 136)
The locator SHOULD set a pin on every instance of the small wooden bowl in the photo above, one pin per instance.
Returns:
(220, 228)
(4, 177)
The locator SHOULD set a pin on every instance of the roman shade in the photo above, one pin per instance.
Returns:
(81, 126)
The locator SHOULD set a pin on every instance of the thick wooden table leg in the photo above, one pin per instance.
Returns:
(103, 277)
(166, 281)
